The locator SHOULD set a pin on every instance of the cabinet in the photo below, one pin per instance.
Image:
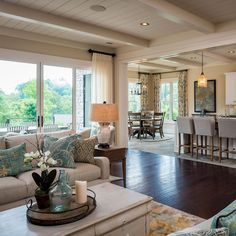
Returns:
(230, 88)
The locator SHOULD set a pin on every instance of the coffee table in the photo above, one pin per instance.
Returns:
(119, 212)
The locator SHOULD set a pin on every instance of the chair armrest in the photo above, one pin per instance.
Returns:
(104, 164)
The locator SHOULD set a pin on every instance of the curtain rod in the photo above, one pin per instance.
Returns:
(104, 53)
(169, 72)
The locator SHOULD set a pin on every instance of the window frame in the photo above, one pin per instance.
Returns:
(43, 59)
(171, 81)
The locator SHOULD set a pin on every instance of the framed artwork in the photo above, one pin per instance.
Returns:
(205, 98)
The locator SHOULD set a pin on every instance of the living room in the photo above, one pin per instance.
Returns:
(48, 43)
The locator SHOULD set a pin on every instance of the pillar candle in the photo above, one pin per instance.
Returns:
(81, 191)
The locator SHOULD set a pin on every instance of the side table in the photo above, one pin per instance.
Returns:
(114, 154)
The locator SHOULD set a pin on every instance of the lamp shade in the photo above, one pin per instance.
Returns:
(104, 112)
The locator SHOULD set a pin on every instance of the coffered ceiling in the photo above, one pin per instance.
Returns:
(177, 30)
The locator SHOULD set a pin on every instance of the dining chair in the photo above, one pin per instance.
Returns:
(226, 129)
(157, 124)
(146, 121)
(185, 127)
(205, 127)
(134, 124)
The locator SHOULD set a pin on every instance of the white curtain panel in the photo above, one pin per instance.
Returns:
(102, 78)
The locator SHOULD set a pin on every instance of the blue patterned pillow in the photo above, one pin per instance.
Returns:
(12, 161)
(61, 149)
(226, 218)
(211, 232)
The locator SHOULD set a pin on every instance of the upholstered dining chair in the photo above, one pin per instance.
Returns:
(185, 127)
(205, 127)
(226, 129)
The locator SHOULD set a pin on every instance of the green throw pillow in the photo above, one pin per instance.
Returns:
(210, 232)
(226, 218)
(12, 161)
(62, 150)
(84, 150)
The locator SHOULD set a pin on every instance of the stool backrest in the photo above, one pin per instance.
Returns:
(227, 127)
(204, 126)
(185, 125)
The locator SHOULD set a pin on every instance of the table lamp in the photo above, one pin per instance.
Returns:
(104, 114)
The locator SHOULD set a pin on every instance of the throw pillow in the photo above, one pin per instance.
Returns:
(84, 150)
(62, 150)
(12, 161)
(226, 218)
(211, 232)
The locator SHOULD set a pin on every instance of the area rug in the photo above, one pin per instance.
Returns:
(231, 162)
(159, 146)
(165, 220)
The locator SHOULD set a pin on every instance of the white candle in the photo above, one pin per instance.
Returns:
(81, 191)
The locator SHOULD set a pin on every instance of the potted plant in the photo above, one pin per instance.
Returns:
(45, 180)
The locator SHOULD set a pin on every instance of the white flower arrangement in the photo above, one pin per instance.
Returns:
(43, 158)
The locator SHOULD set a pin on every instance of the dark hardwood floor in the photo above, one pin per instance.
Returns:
(197, 188)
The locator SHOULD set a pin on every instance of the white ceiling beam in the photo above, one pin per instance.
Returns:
(180, 46)
(178, 15)
(183, 61)
(39, 17)
(22, 34)
(155, 65)
(217, 57)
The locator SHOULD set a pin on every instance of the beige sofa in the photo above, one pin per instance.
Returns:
(15, 191)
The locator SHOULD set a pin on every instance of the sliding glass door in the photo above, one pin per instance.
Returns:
(18, 97)
(49, 94)
(57, 102)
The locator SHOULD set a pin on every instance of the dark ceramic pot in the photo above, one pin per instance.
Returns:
(42, 200)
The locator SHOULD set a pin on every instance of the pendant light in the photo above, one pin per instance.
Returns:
(139, 84)
(202, 79)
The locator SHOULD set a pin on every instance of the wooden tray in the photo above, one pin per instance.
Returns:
(46, 217)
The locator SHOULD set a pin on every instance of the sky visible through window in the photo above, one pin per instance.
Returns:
(13, 73)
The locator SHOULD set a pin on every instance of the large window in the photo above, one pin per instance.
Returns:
(169, 98)
(36, 97)
(134, 99)
(18, 96)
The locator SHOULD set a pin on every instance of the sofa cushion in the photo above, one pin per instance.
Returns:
(83, 171)
(28, 139)
(12, 161)
(210, 232)
(2, 143)
(27, 178)
(84, 150)
(12, 189)
(62, 150)
(226, 218)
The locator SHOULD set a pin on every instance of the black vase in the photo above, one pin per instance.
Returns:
(42, 200)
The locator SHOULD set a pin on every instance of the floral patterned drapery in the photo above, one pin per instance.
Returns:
(143, 78)
(183, 93)
(157, 82)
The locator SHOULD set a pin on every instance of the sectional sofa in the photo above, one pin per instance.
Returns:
(15, 191)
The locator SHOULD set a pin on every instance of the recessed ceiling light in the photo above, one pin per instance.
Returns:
(144, 23)
(193, 58)
(231, 51)
(109, 43)
(97, 8)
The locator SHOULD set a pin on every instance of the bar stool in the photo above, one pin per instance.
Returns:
(226, 127)
(185, 126)
(205, 127)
